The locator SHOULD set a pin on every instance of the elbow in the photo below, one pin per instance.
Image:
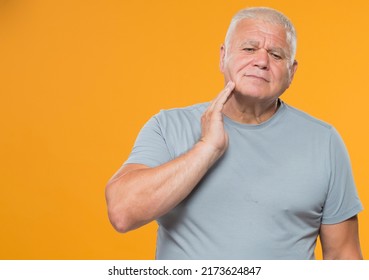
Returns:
(120, 226)
(121, 216)
(124, 221)
(119, 222)
(117, 214)
(123, 213)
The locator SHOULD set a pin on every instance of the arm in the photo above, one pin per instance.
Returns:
(341, 241)
(138, 194)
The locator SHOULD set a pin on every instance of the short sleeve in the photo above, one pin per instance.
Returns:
(150, 147)
(342, 199)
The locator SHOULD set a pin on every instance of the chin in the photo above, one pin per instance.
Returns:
(251, 93)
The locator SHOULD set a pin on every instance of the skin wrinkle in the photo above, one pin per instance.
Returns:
(257, 60)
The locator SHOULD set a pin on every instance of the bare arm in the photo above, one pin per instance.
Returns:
(341, 241)
(138, 194)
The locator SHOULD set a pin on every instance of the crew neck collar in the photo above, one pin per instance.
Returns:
(272, 119)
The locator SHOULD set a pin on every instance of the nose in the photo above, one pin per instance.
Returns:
(261, 59)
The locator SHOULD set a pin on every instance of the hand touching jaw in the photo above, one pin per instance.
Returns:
(257, 59)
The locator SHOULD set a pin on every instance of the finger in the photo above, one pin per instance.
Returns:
(223, 96)
(226, 91)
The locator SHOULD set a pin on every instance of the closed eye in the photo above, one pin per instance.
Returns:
(276, 56)
(249, 50)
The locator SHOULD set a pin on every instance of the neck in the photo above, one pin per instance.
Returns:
(243, 110)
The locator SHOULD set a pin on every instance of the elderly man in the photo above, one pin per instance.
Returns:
(246, 176)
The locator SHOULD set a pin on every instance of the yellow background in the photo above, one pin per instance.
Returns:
(78, 79)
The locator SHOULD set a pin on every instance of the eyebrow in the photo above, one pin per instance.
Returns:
(251, 43)
(256, 44)
(278, 50)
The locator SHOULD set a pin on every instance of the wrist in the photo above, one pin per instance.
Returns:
(208, 152)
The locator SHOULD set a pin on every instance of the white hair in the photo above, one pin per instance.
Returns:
(268, 15)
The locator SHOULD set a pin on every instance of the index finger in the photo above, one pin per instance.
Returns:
(222, 97)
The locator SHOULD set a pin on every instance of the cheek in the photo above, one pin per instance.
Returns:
(236, 66)
(282, 75)
(228, 71)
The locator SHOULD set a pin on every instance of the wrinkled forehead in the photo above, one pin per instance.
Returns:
(248, 28)
(257, 30)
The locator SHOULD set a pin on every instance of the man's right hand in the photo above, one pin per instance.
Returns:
(138, 194)
(213, 133)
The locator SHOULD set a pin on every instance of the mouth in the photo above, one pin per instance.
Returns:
(257, 77)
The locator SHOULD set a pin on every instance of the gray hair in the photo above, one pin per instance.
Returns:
(268, 15)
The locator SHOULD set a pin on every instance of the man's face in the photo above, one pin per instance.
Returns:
(257, 59)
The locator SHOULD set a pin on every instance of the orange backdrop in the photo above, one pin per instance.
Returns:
(78, 79)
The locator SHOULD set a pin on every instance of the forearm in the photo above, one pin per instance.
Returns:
(138, 194)
(142, 195)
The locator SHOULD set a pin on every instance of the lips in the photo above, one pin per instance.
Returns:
(259, 77)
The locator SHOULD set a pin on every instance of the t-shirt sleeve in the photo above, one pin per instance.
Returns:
(150, 147)
(342, 199)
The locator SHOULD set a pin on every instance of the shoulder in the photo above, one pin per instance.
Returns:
(181, 115)
(188, 110)
(305, 120)
(181, 127)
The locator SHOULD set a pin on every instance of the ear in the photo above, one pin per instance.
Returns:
(293, 70)
(222, 56)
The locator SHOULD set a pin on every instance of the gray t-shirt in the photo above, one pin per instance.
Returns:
(265, 198)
